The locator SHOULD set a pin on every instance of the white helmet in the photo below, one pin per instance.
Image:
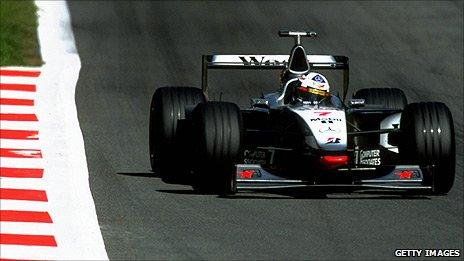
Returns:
(312, 87)
(315, 81)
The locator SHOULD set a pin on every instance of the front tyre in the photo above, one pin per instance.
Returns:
(218, 131)
(168, 106)
(428, 139)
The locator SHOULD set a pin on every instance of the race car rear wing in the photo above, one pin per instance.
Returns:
(265, 62)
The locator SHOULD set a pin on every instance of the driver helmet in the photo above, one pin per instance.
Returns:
(312, 87)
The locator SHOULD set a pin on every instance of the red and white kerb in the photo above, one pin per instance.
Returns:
(25, 219)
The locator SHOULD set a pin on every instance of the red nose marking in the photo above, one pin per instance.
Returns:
(323, 113)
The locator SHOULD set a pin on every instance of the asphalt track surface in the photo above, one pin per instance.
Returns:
(128, 49)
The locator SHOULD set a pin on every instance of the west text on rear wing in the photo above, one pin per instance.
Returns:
(269, 62)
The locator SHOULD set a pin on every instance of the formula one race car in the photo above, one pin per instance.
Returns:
(302, 135)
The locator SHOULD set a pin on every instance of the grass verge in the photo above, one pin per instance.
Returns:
(18, 34)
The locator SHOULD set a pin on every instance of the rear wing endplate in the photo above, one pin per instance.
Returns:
(336, 62)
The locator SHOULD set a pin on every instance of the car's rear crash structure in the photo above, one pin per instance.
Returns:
(376, 140)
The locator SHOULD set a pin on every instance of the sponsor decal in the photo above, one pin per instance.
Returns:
(248, 173)
(326, 120)
(255, 157)
(369, 157)
(318, 91)
(329, 129)
(407, 174)
(257, 61)
(318, 78)
(333, 140)
(313, 90)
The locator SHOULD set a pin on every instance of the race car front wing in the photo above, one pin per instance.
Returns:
(399, 177)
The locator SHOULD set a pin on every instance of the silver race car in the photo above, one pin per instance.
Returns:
(303, 134)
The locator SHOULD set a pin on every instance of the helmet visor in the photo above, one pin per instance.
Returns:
(311, 94)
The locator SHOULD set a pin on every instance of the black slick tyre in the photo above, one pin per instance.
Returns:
(428, 138)
(168, 106)
(218, 142)
(390, 98)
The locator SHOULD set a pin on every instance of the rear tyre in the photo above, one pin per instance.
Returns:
(428, 138)
(218, 142)
(168, 105)
(390, 98)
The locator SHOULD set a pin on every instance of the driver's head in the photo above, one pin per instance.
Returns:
(312, 87)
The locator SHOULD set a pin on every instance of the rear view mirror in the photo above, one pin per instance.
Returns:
(356, 103)
(257, 102)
